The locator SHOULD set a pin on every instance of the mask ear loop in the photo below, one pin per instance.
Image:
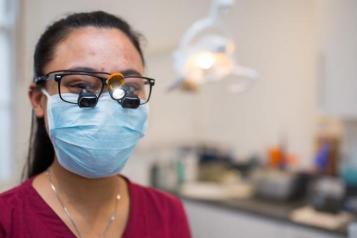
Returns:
(45, 93)
(48, 96)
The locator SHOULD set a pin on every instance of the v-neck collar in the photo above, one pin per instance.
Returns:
(48, 213)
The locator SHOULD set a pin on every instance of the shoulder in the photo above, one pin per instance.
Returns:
(11, 201)
(16, 195)
(154, 196)
(159, 209)
(13, 197)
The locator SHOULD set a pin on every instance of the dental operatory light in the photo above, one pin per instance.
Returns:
(206, 54)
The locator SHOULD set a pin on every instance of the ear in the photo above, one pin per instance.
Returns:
(38, 100)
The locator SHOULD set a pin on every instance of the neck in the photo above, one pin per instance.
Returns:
(83, 191)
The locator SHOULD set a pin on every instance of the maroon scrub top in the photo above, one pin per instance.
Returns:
(154, 214)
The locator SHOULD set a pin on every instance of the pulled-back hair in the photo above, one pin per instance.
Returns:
(41, 151)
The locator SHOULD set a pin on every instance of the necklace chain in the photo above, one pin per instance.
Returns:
(112, 218)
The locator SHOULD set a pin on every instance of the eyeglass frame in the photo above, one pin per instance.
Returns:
(59, 74)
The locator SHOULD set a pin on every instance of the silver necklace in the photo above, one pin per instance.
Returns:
(68, 215)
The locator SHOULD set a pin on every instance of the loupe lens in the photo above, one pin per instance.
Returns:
(130, 102)
(87, 99)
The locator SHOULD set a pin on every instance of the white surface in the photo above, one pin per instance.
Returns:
(214, 191)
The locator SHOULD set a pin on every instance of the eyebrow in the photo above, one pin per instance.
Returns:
(126, 72)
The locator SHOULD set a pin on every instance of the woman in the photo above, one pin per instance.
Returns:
(89, 100)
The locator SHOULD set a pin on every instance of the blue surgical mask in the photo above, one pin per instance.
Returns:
(94, 142)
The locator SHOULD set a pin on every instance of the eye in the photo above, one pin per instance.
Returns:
(79, 84)
(74, 82)
(129, 88)
(134, 86)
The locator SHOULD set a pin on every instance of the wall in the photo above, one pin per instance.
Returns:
(276, 37)
(337, 36)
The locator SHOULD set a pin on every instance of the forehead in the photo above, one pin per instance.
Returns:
(103, 49)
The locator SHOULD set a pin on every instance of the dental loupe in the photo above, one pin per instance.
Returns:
(119, 92)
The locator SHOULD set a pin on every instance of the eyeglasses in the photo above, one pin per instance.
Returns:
(129, 90)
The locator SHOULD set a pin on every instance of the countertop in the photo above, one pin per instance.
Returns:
(279, 211)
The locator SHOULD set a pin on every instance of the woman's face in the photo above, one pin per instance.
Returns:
(90, 48)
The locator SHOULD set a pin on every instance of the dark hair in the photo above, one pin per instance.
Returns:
(41, 151)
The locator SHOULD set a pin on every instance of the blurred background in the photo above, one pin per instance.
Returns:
(278, 157)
